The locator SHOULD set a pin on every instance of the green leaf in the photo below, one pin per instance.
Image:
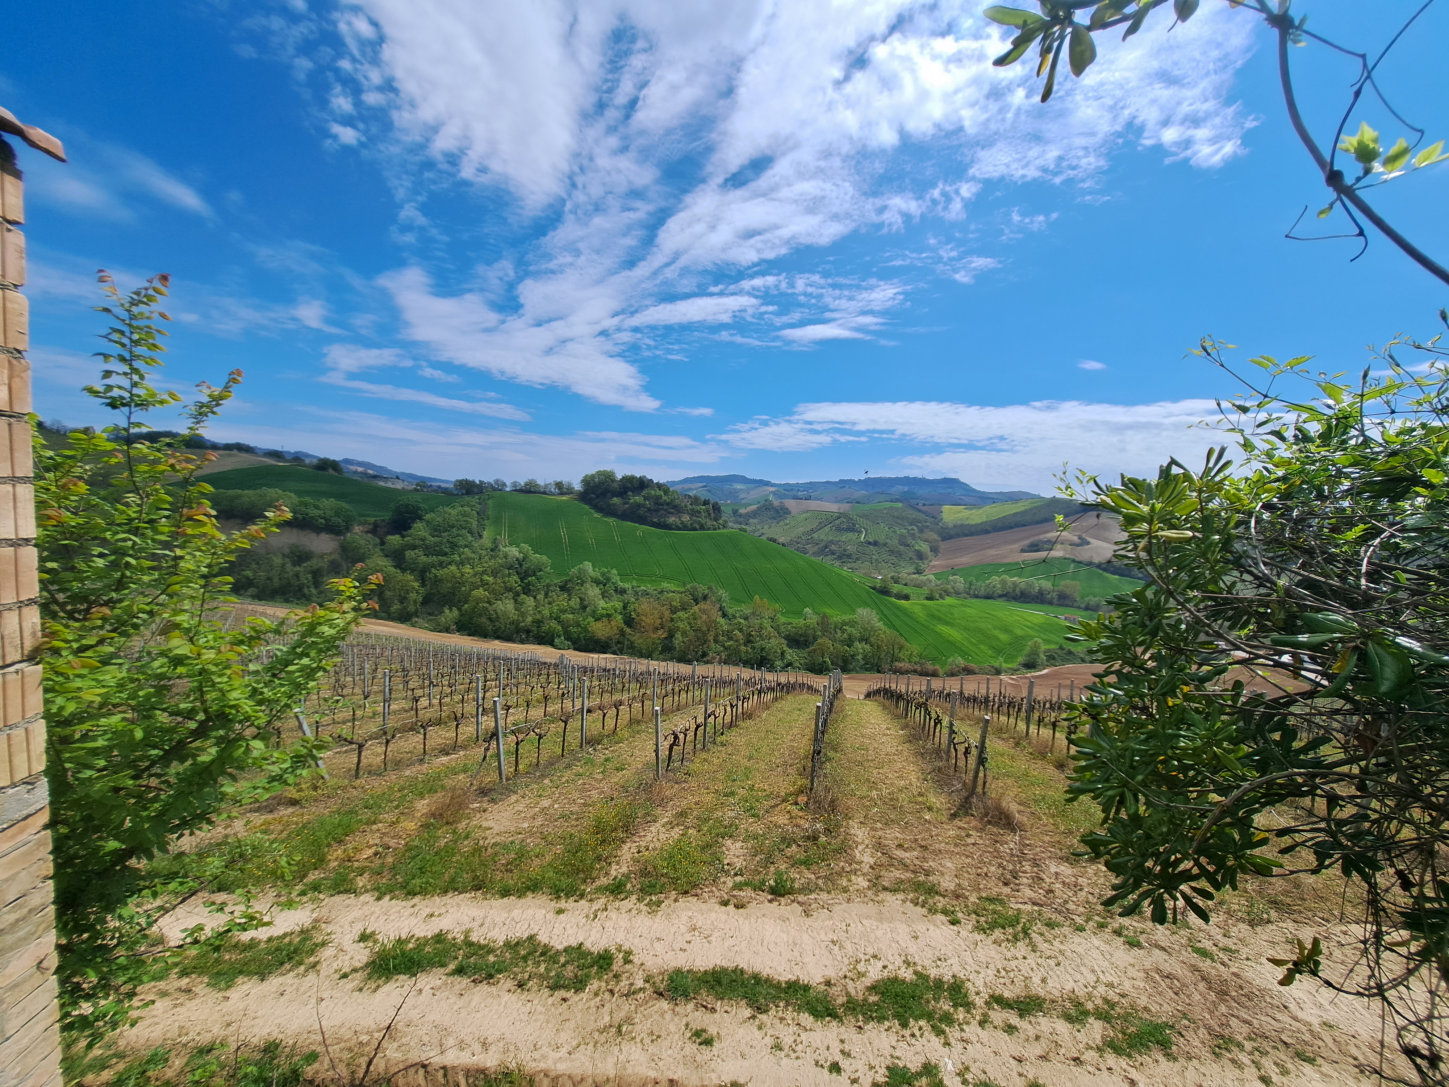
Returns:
(1430, 155)
(1397, 156)
(1363, 146)
(1019, 45)
(1083, 50)
(1138, 18)
(1324, 213)
(1051, 79)
(1184, 9)
(1006, 16)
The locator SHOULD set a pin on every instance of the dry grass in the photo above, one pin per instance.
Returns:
(997, 811)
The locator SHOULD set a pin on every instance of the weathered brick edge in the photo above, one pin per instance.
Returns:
(29, 1037)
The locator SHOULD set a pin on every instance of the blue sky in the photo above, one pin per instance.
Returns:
(794, 240)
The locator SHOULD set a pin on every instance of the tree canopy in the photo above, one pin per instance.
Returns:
(159, 708)
(1274, 700)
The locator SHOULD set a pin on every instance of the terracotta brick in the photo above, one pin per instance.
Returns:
(7, 511)
(12, 196)
(31, 699)
(19, 758)
(38, 955)
(23, 856)
(38, 1002)
(12, 255)
(13, 835)
(31, 1048)
(24, 511)
(11, 649)
(16, 332)
(29, 631)
(46, 1073)
(11, 702)
(27, 579)
(35, 745)
(17, 385)
(9, 576)
(22, 451)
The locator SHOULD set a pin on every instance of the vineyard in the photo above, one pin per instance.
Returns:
(768, 876)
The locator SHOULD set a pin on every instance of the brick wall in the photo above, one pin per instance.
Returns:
(29, 1040)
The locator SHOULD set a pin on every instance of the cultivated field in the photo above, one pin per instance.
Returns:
(1102, 533)
(744, 566)
(1093, 581)
(584, 922)
(976, 515)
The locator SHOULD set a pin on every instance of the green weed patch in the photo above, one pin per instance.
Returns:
(225, 960)
(526, 960)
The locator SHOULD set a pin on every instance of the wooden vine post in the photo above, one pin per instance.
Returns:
(979, 771)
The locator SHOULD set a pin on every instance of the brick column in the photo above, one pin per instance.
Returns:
(29, 1038)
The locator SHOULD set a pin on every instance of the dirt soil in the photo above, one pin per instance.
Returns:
(1102, 534)
(912, 888)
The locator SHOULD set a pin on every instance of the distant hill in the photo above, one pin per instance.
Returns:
(744, 566)
(915, 490)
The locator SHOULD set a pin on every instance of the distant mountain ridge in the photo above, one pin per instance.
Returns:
(917, 490)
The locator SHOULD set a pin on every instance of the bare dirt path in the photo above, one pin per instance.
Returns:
(1232, 1024)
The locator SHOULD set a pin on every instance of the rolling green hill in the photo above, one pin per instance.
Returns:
(1093, 581)
(879, 538)
(368, 500)
(569, 533)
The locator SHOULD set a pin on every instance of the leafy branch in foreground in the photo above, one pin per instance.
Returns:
(1276, 699)
(158, 710)
(1055, 29)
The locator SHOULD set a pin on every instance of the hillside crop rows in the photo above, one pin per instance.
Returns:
(1093, 581)
(976, 515)
(569, 533)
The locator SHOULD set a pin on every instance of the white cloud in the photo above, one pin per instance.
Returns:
(312, 313)
(1003, 445)
(850, 328)
(346, 135)
(110, 182)
(344, 361)
(1091, 364)
(455, 451)
(660, 147)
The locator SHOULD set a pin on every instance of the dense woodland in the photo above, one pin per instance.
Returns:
(647, 502)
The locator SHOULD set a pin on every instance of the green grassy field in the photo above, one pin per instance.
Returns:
(979, 515)
(368, 500)
(1093, 582)
(569, 533)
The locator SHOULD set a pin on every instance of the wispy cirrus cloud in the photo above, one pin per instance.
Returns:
(345, 361)
(107, 181)
(655, 158)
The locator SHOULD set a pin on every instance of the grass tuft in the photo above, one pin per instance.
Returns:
(225, 960)
(526, 959)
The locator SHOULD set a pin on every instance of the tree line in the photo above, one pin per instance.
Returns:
(441, 573)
